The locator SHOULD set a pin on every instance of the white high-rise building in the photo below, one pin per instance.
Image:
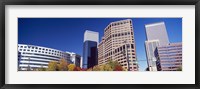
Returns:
(157, 31)
(156, 36)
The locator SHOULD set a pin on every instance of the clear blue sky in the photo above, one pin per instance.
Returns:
(66, 34)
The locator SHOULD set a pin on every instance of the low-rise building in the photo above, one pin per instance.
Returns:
(169, 57)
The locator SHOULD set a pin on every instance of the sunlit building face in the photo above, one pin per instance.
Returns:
(118, 44)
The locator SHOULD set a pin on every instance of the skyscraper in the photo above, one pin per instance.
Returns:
(157, 31)
(118, 44)
(161, 54)
(156, 36)
(90, 52)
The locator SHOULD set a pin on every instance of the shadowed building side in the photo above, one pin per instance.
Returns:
(151, 56)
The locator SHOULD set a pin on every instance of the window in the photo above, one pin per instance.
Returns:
(128, 46)
(120, 48)
(132, 46)
(125, 33)
(119, 34)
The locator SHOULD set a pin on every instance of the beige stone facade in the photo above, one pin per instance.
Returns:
(117, 44)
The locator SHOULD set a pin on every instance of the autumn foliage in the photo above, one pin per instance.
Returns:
(110, 66)
(118, 68)
(63, 65)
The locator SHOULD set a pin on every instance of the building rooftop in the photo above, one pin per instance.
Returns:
(154, 24)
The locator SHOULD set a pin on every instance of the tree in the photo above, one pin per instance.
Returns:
(89, 69)
(84, 69)
(179, 69)
(77, 69)
(71, 67)
(52, 66)
(96, 68)
(118, 68)
(113, 64)
(42, 69)
(101, 68)
(63, 65)
(107, 67)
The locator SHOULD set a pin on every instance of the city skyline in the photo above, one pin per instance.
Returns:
(32, 31)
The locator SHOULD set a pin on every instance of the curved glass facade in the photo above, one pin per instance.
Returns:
(31, 56)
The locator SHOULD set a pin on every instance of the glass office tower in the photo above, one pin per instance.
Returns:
(90, 53)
